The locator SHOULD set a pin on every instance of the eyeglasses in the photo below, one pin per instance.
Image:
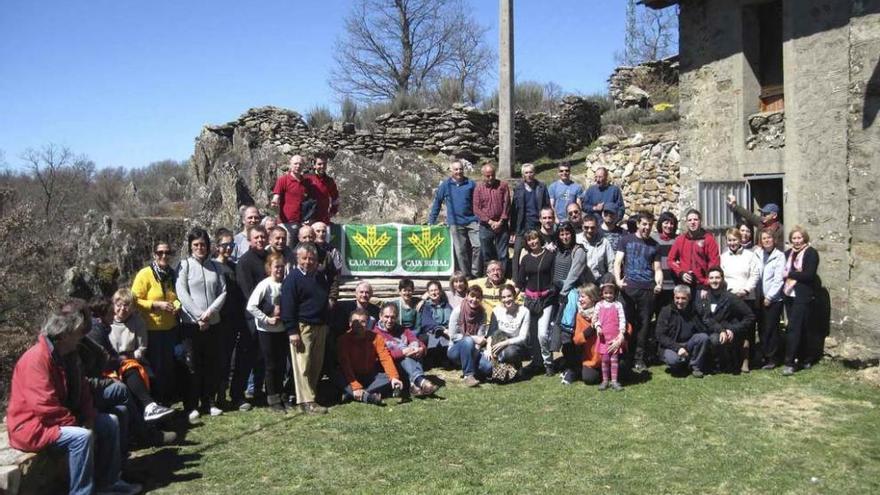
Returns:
(164, 253)
(565, 171)
(226, 245)
(574, 213)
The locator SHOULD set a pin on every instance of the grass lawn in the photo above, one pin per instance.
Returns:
(816, 432)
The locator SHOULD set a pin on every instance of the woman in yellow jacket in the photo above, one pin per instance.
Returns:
(153, 289)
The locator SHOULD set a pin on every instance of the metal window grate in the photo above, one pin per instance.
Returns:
(712, 202)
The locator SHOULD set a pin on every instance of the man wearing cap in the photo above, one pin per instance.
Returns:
(611, 230)
(768, 219)
(603, 196)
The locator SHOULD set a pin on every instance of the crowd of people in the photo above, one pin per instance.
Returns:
(253, 319)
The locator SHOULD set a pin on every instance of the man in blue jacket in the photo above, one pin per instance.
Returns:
(457, 192)
(602, 196)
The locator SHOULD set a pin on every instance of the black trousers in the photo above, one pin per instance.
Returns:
(638, 305)
(275, 348)
(795, 337)
(203, 365)
(771, 336)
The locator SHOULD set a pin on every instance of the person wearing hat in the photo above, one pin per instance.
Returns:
(768, 219)
(611, 228)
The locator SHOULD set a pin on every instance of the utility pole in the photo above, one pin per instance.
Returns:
(506, 145)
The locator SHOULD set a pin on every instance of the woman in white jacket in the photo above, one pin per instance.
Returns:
(771, 304)
(742, 272)
(265, 306)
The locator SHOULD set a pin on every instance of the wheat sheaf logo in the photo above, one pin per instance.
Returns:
(371, 243)
(425, 244)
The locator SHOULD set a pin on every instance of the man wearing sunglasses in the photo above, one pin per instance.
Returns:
(564, 192)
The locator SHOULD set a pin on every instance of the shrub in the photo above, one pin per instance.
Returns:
(348, 110)
(318, 117)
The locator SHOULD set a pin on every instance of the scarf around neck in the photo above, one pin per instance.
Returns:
(470, 319)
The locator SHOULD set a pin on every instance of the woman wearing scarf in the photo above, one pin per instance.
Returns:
(153, 290)
(801, 264)
(467, 332)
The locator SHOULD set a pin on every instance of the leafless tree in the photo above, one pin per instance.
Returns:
(399, 47)
(64, 178)
(651, 34)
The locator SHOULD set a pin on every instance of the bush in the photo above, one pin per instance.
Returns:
(348, 110)
(318, 117)
(602, 100)
(623, 116)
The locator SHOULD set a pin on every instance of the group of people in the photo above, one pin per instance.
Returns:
(254, 318)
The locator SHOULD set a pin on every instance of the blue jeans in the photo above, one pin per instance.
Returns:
(92, 455)
(116, 399)
(468, 355)
(410, 369)
(493, 246)
(372, 383)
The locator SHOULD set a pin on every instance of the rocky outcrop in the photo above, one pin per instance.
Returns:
(629, 86)
(237, 163)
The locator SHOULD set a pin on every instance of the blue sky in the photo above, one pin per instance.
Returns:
(128, 83)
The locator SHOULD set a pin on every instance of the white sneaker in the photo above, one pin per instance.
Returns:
(121, 487)
(194, 416)
(216, 411)
(155, 412)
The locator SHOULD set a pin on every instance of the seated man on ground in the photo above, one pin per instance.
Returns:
(727, 317)
(406, 350)
(43, 414)
(682, 338)
(492, 284)
(362, 353)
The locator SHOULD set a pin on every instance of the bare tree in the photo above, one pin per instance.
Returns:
(63, 178)
(651, 34)
(399, 47)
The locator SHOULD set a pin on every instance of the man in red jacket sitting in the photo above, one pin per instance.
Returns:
(42, 413)
(362, 353)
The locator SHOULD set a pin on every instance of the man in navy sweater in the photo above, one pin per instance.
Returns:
(304, 296)
(458, 193)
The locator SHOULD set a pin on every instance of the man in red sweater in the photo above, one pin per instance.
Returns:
(362, 353)
(290, 192)
(326, 194)
(693, 253)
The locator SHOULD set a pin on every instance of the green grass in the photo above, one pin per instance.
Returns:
(817, 432)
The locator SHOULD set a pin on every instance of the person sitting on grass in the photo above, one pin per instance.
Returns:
(42, 412)
(610, 323)
(509, 329)
(406, 350)
(128, 338)
(407, 305)
(580, 343)
(727, 318)
(362, 354)
(467, 332)
(682, 338)
(434, 322)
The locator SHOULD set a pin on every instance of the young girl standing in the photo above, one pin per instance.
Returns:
(610, 323)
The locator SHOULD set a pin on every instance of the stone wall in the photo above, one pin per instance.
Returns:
(766, 130)
(646, 167)
(830, 49)
(461, 131)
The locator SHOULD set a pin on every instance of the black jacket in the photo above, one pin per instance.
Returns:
(518, 222)
(671, 323)
(731, 313)
(807, 281)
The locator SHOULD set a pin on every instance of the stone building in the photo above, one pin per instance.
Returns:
(779, 103)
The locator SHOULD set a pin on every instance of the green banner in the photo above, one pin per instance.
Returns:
(394, 250)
